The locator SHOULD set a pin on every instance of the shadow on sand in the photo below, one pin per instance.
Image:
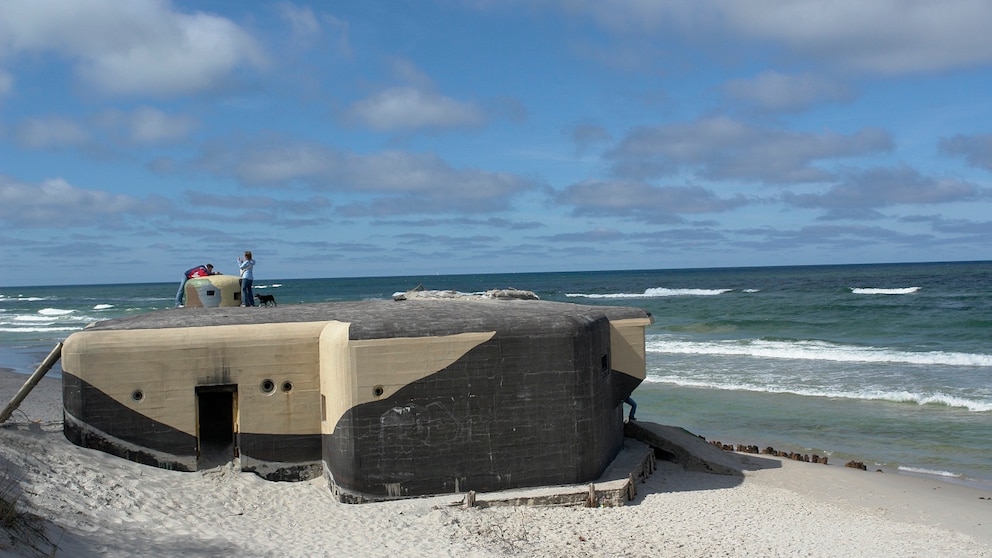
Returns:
(687, 462)
(655, 458)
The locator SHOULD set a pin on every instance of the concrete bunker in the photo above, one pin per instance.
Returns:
(213, 291)
(385, 399)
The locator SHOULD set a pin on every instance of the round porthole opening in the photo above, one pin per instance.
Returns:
(137, 395)
(378, 391)
(287, 386)
(268, 386)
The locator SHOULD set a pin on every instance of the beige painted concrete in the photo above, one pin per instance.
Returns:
(627, 346)
(361, 371)
(213, 291)
(166, 365)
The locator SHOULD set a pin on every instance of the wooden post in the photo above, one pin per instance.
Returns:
(32, 381)
(591, 499)
(470, 499)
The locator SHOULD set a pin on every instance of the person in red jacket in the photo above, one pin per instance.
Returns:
(198, 271)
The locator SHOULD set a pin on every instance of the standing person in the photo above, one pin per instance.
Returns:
(633, 407)
(246, 264)
(198, 271)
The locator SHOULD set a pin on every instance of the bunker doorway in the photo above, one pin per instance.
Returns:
(216, 425)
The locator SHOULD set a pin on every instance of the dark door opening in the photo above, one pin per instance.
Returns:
(216, 409)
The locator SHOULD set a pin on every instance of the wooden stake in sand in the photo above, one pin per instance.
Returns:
(33, 380)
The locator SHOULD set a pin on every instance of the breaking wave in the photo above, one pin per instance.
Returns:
(874, 291)
(814, 350)
(934, 399)
(921, 471)
(657, 292)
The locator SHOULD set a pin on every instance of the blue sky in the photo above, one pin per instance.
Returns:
(385, 137)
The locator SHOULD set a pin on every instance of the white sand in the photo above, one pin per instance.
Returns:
(99, 505)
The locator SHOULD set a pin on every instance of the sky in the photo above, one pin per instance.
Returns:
(139, 138)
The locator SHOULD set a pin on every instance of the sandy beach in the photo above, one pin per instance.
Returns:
(94, 504)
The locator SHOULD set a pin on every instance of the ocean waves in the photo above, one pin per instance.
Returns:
(657, 292)
(824, 370)
(928, 472)
(813, 350)
(44, 320)
(878, 291)
(897, 396)
(49, 320)
(662, 292)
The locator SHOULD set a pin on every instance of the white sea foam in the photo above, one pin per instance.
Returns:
(55, 312)
(33, 318)
(921, 471)
(47, 320)
(874, 291)
(4, 298)
(657, 292)
(814, 350)
(936, 399)
(37, 329)
(103, 306)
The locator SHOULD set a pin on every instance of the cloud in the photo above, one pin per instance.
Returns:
(408, 108)
(721, 148)
(55, 202)
(776, 92)
(83, 249)
(882, 36)
(423, 183)
(461, 222)
(47, 133)
(6, 83)
(851, 214)
(414, 105)
(309, 206)
(456, 243)
(976, 149)
(147, 125)
(696, 238)
(405, 71)
(277, 163)
(830, 238)
(379, 184)
(642, 201)
(139, 127)
(588, 136)
(306, 28)
(883, 187)
(133, 47)
(599, 235)
(301, 20)
(979, 230)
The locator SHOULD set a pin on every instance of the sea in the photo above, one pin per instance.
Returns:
(886, 364)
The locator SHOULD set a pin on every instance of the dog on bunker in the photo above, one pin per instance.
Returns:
(265, 300)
